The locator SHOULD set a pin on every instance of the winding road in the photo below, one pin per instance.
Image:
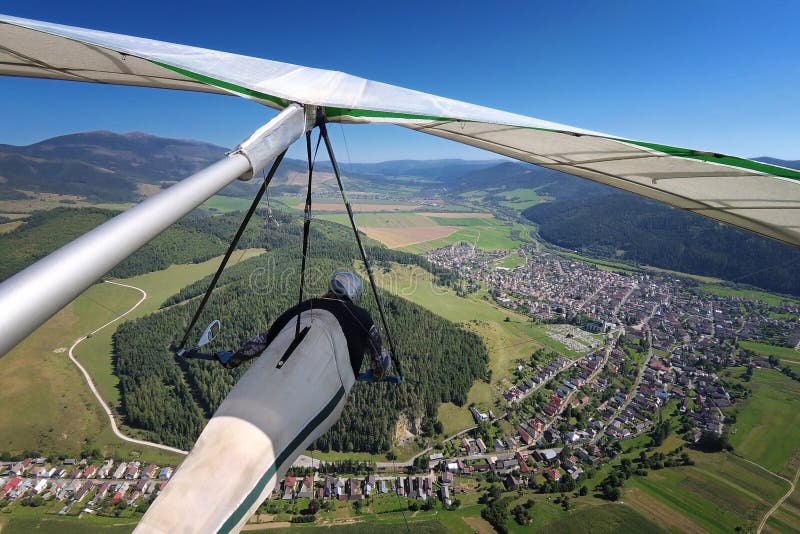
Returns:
(792, 486)
(96, 393)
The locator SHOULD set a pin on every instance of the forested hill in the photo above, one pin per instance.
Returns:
(172, 401)
(650, 233)
(514, 175)
(102, 166)
(189, 240)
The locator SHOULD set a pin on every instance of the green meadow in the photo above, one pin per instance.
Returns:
(747, 294)
(38, 380)
(770, 350)
(767, 428)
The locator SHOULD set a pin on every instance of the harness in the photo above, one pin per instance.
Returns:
(212, 330)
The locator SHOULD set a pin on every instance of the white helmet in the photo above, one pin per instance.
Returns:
(347, 284)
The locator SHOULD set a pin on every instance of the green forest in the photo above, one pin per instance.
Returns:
(189, 240)
(172, 399)
(649, 233)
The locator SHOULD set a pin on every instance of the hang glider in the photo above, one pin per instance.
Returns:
(762, 198)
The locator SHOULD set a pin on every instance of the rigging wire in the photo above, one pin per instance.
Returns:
(306, 226)
(395, 359)
(231, 248)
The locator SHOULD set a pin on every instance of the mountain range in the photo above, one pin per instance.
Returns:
(107, 166)
(575, 213)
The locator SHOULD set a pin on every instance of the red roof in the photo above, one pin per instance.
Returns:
(13, 483)
(554, 473)
(658, 366)
(526, 437)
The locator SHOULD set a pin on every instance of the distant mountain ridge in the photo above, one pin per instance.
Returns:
(108, 166)
(791, 164)
(102, 165)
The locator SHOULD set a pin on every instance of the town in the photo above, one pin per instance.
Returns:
(81, 483)
(638, 347)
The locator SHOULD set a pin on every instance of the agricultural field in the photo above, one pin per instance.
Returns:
(492, 235)
(358, 205)
(222, 203)
(602, 519)
(787, 517)
(365, 527)
(419, 232)
(37, 378)
(46, 201)
(767, 428)
(520, 199)
(718, 494)
(10, 226)
(771, 350)
(603, 265)
(748, 294)
(15, 524)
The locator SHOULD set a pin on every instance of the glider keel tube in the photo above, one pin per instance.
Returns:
(267, 420)
(35, 294)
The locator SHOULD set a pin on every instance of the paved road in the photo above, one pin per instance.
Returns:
(96, 393)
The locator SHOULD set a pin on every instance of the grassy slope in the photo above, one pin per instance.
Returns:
(767, 430)
(51, 407)
(718, 493)
(520, 199)
(489, 237)
(748, 294)
(46, 404)
(505, 341)
(95, 353)
(770, 350)
(223, 203)
(603, 519)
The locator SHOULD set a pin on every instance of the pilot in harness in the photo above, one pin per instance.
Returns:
(342, 298)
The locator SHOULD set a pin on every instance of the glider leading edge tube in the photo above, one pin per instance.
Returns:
(35, 294)
(269, 418)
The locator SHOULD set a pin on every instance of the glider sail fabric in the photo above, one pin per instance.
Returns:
(755, 196)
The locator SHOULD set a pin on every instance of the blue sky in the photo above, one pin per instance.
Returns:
(720, 76)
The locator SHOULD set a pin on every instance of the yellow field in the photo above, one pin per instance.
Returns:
(46, 201)
(402, 237)
(457, 215)
(10, 226)
(357, 207)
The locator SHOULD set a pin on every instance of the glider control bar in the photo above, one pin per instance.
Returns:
(35, 294)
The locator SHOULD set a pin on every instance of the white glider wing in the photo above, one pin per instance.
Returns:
(755, 196)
